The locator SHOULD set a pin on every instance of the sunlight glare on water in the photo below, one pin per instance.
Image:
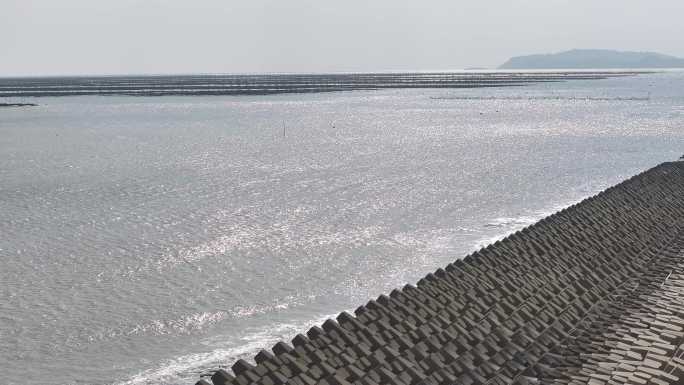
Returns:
(148, 240)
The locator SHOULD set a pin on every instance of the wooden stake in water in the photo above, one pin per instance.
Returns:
(283, 128)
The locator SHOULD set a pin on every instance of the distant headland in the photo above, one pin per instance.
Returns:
(594, 59)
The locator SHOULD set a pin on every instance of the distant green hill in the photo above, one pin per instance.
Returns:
(594, 58)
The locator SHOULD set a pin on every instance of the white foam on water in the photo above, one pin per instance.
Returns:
(512, 224)
(194, 322)
(187, 369)
(272, 237)
(185, 324)
(523, 220)
(176, 370)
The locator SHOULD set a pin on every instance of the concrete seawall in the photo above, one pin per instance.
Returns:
(592, 294)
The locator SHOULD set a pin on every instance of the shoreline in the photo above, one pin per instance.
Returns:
(548, 303)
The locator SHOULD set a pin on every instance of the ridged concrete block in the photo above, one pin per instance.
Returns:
(592, 294)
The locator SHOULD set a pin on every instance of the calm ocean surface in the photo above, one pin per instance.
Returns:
(148, 240)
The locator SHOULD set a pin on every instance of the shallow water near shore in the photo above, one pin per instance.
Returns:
(148, 240)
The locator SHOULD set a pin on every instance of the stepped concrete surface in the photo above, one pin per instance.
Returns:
(593, 294)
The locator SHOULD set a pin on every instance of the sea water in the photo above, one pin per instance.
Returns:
(149, 240)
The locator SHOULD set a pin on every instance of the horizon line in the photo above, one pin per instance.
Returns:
(283, 73)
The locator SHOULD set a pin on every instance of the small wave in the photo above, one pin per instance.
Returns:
(198, 321)
(426, 245)
(187, 369)
(523, 220)
(247, 311)
(176, 370)
(273, 237)
(186, 324)
(195, 322)
(509, 225)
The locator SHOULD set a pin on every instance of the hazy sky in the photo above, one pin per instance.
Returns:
(40, 37)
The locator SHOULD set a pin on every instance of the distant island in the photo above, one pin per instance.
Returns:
(594, 59)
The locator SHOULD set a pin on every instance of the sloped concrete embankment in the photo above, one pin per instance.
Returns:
(592, 294)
